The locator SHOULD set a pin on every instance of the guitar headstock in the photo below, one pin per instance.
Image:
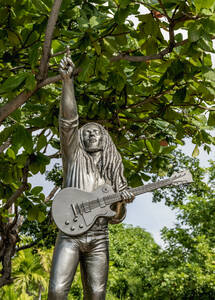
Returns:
(182, 177)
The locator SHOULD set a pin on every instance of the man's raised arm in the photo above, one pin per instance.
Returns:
(68, 108)
(68, 121)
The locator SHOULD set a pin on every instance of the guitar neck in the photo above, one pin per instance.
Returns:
(183, 177)
(150, 187)
(138, 190)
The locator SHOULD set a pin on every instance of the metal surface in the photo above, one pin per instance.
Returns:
(91, 250)
(75, 211)
(90, 159)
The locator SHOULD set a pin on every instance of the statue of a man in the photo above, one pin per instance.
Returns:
(90, 159)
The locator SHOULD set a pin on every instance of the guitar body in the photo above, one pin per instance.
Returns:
(71, 212)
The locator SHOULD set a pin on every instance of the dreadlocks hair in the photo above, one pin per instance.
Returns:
(111, 167)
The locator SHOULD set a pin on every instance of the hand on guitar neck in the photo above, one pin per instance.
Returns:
(127, 196)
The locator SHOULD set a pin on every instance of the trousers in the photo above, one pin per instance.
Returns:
(91, 250)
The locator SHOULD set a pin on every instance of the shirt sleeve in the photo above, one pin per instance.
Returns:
(69, 139)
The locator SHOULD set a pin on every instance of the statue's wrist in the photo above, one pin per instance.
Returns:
(68, 79)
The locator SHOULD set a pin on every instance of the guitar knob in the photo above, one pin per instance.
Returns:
(81, 225)
(75, 219)
(105, 190)
(72, 228)
(66, 222)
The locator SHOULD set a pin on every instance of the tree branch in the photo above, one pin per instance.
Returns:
(58, 53)
(194, 105)
(48, 39)
(11, 106)
(164, 10)
(160, 55)
(151, 98)
(55, 155)
(52, 193)
(5, 145)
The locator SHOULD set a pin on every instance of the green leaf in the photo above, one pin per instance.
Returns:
(135, 180)
(149, 26)
(179, 95)
(11, 154)
(30, 82)
(151, 46)
(199, 4)
(41, 6)
(22, 138)
(195, 32)
(42, 142)
(13, 38)
(5, 134)
(149, 146)
(94, 21)
(41, 217)
(209, 24)
(110, 45)
(211, 119)
(97, 48)
(121, 15)
(87, 69)
(13, 82)
(34, 55)
(171, 114)
(83, 22)
(209, 74)
(195, 151)
(124, 3)
(33, 213)
(156, 146)
(21, 160)
(206, 44)
(38, 163)
(117, 81)
(37, 190)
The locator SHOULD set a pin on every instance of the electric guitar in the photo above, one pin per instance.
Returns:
(74, 211)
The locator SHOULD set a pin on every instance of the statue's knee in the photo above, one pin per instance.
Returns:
(57, 293)
(97, 293)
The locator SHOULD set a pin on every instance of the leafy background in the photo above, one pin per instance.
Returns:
(151, 91)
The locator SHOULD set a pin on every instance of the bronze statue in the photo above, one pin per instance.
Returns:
(90, 159)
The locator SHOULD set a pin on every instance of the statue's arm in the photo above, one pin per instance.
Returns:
(68, 107)
(68, 121)
(120, 207)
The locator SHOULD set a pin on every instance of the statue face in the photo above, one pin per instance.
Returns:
(92, 138)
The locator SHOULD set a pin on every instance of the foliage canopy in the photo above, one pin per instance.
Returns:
(147, 83)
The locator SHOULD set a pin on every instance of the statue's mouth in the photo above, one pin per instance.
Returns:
(92, 140)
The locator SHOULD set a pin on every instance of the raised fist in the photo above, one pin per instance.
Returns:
(67, 67)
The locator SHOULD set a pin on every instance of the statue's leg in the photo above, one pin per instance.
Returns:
(94, 267)
(64, 264)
